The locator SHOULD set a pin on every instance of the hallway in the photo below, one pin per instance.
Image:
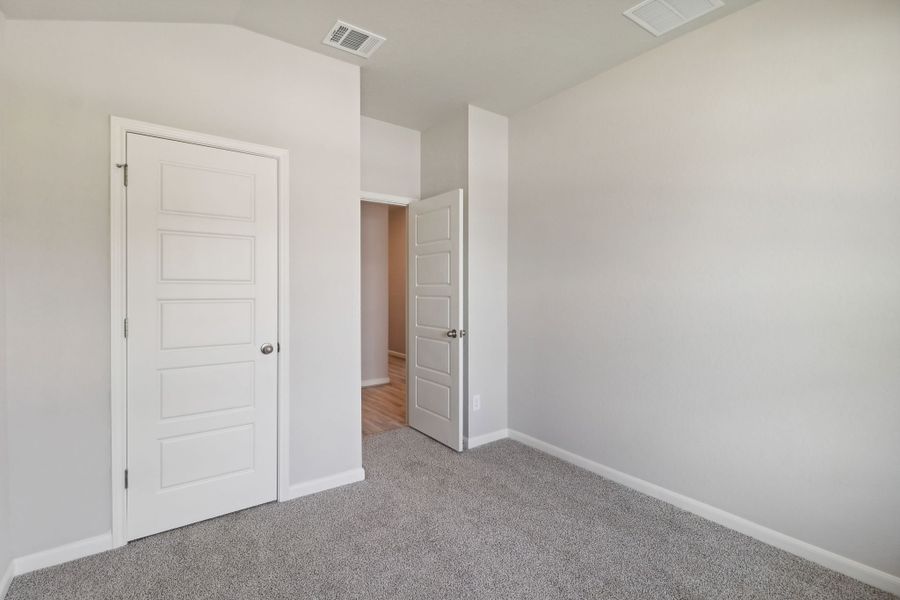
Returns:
(384, 406)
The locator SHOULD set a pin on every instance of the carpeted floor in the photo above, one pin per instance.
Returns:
(501, 521)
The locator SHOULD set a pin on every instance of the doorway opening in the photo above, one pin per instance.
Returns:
(434, 324)
(383, 245)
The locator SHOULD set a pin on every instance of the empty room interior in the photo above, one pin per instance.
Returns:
(418, 299)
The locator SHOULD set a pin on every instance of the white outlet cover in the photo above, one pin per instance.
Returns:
(476, 402)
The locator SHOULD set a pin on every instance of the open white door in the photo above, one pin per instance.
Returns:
(434, 351)
(201, 332)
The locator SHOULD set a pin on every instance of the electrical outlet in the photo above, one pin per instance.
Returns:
(476, 402)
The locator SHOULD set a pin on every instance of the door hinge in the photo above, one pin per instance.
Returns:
(125, 327)
(124, 167)
(126, 479)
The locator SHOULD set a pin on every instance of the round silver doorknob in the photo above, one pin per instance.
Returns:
(452, 333)
(267, 348)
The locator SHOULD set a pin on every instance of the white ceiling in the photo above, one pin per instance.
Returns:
(501, 55)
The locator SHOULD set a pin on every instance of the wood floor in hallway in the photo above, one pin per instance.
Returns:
(384, 406)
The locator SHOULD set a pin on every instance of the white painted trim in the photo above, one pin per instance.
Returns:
(6, 579)
(314, 486)
(866, 574)
(487, 438)
(386, 198)
(64, 553)
(118, 347)
(396, 354)
(284, 324)
(373, 382)
(119, 128)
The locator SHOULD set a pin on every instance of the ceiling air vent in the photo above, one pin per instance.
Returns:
(352, 39)
(662, 16)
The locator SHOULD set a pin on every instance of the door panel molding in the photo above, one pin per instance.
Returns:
(119, 129)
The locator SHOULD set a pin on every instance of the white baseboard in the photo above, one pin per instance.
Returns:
(62, 554)
(841, 564)
(487, 438)
(314, 486)
(874, 577)
(396, 354)
(372, 382)
(6, 579)
(102, 543)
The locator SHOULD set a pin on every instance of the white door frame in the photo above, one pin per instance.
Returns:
(119, 128)
(379, 198)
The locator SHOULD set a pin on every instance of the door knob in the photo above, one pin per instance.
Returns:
(452, 333)
(267, 348)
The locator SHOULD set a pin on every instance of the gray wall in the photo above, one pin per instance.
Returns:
(66, 78)
(397, 268)
(470, 151)
(444, 156)
(390, 158)
(704, 284)
(5, 538)
(374, 290)
(487, 205)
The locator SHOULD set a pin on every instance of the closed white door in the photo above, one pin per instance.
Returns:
(201, 332)
(435, 328)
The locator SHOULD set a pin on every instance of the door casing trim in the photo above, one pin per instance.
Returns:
(119, 128)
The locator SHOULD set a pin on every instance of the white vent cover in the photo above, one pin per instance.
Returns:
(662, 16)
(352, 39)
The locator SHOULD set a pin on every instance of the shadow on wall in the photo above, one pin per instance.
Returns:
(397, 280)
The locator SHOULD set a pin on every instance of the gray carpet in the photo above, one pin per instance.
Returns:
(501, 521)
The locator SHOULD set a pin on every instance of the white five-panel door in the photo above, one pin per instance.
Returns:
(434, 350)
(202, 325)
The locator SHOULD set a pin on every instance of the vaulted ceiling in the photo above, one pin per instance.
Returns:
(501, 55)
